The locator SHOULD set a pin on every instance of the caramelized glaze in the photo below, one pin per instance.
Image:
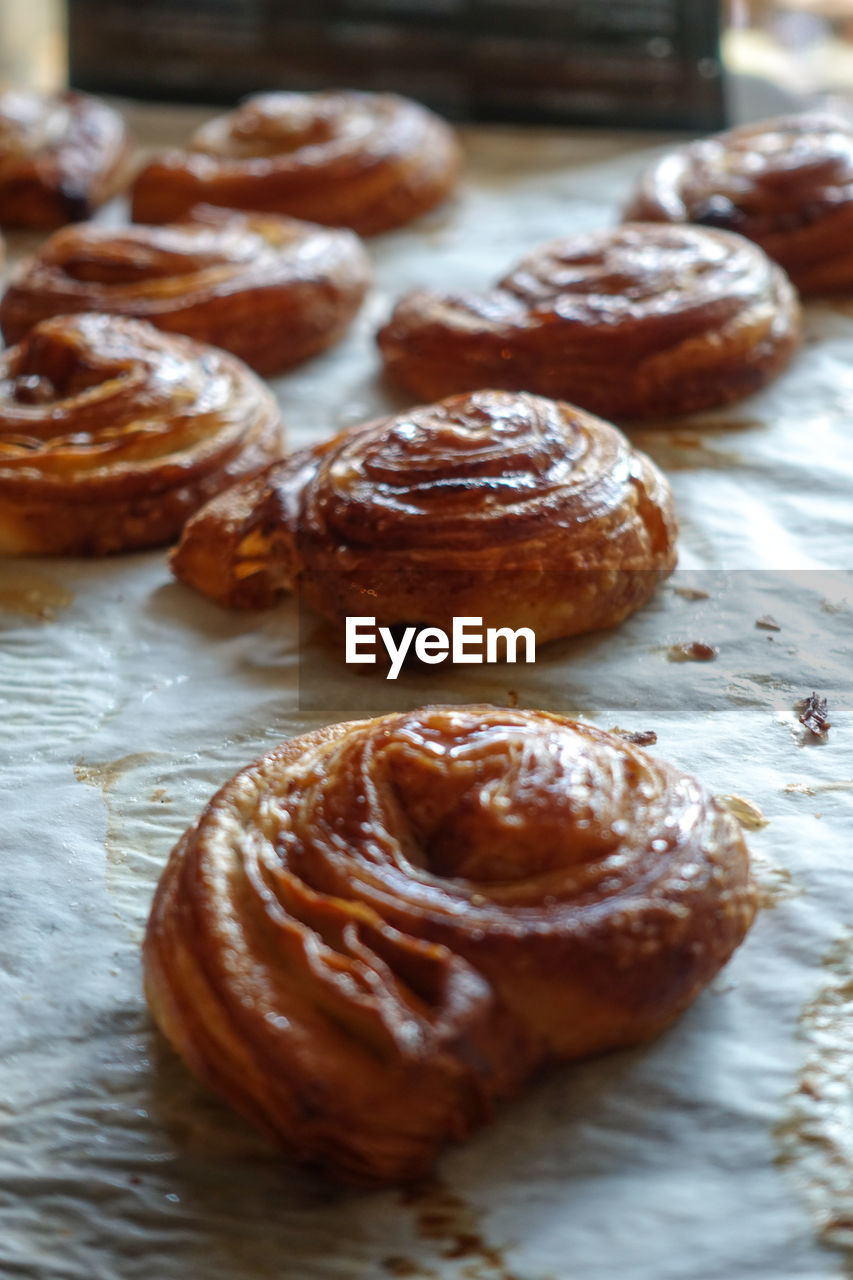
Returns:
(637, 322)
(510, 507)
(786, 183)
(272, 290)
(112, 434)
(380, 929)
(361, 160)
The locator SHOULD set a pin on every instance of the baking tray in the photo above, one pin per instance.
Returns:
(722, 1149)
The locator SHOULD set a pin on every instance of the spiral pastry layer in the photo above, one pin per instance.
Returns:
(61, 156)
(361, 160)
(271, 290)
(634, 322)
(380, 929)
(785, 183)
(112, 434)
(516, 509)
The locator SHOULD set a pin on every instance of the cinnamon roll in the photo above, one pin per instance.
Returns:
(112, 434)
(379, 930)
(785, 183)
(361, 160)
(61, 156)
(272, 290)
(509, 507)
(636, 322)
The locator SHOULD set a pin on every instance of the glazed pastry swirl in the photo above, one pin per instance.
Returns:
(380, 929)
(511, 507)
(61, 156)
(112, 434)
(360, 160)
(272, 290)
(634, 322)
(785, 183)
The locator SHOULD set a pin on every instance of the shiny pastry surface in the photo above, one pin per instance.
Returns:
(785, 183)
(517, 509)
(272, 290)
(112, 434)
(380, 929)
(633, 322)
(61, 156)
(361, 160)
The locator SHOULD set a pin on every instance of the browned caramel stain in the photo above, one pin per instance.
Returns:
(773, 882)
(32, 595)
(686, 450)
(454, 1227)
(815, 1136)
(104, 775)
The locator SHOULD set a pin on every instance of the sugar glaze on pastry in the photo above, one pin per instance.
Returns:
(379, 930)
(634, 322)
(368, 161)
(112, 434)
(271, 290)
(786, 183)
(517, 509)
(61, 156)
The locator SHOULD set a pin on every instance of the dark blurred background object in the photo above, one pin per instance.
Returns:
(644, 63)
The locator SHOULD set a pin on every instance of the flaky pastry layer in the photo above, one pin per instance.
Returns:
(61, 156)
(272, 290)
(381, 929)
(361, 160)
(112, 434)
(516, 509)
(786, 183)
(636, 322)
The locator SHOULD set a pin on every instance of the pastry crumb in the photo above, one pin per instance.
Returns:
(691, 651)
(813, 715)
(747, 813)
(767, 623)
(639, 737)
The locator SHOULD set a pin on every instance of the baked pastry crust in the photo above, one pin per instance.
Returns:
(361, 160)
(509, 507)
(271, 290)
(786, 183)
(633, 322)
(380, 929)
(61, 156)
(112, 434)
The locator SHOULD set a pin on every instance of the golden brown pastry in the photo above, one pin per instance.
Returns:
(785, 183)
(61, 156)
(345, 159)
(380, 929)
(112, 434)
(272, 290)
(504, 506)
(635, 322)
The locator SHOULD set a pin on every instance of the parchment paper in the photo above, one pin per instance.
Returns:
(721, 1150)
